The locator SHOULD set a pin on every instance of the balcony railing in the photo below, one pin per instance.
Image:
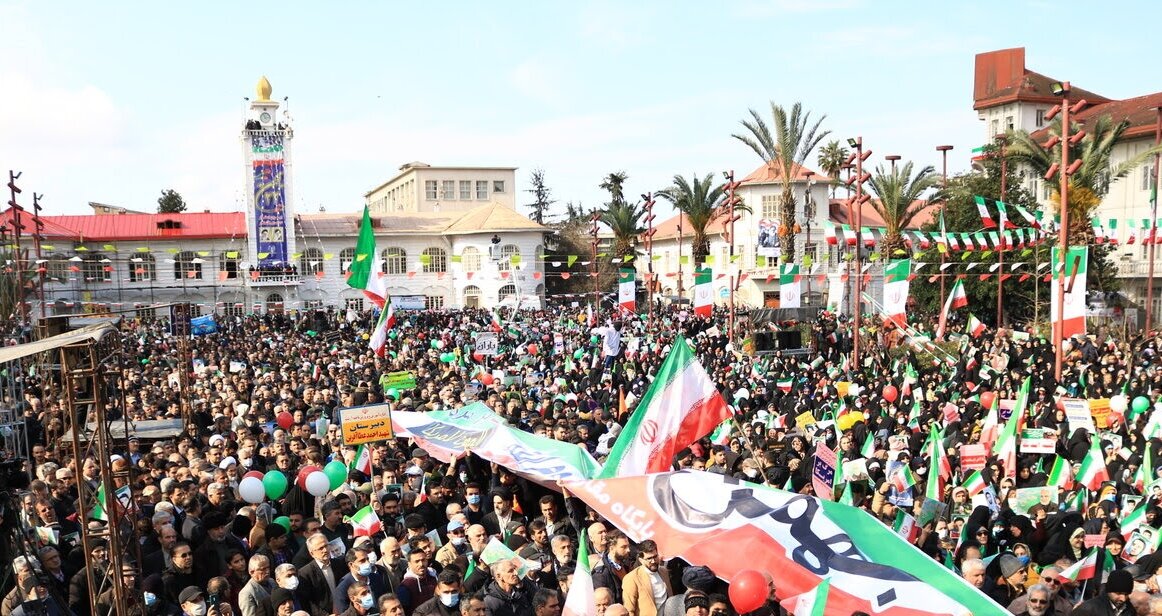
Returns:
(271, 278)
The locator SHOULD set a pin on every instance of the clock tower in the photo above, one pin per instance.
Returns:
(266, 139)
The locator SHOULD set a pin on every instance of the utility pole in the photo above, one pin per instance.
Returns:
(37, 238)
(1153, 227)
(731, 199)
(17, 256)
(1002, 140)
(648, 206)
(943, 149)
(596, 268)
(857, 157)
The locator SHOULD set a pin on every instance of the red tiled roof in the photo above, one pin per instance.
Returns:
(668, 229)
(1141, 111)
(770, 174)
(837, 211)
(1001, 77)
(52, 229)
(114, 227)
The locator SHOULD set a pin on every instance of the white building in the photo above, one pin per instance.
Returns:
(436, 253)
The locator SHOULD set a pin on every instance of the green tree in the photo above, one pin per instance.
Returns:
(898, 201)
(785, 151)
(542, 196)
(614, 183)
(170, 202)
(831, 159)
(702, 203)
(624, 220)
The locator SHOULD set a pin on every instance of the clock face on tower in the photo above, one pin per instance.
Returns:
(264, 117)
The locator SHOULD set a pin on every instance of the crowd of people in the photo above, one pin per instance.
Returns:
(199, 549)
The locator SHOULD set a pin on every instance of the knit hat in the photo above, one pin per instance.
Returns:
(698, 577)
(1120, 580)
(695, 598)
(1009, 565)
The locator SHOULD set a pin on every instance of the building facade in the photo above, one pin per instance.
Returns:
(420, 187)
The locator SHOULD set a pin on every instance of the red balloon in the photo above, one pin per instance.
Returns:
(256, 474)
(987, 398)
(970, 385)
(487, 379)
(301, 479)
(748, 591)
(285, 420)
(890, 393)
(532, 349)
(477, 356)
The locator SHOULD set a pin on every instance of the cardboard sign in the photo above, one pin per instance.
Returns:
(1100, 410)
(404, 379)
(973, 457)
(804, 419)
(823, 471)
(1024, 499)
(1078, 415)
(1038, 440)
(1142, 542)
(366, 424)
(1095, 541)
(951, 413)
(487, 343)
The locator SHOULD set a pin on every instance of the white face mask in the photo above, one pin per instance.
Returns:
(198, 609)
(290, 583)
(750, 472)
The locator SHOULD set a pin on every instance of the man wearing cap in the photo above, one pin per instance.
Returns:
(210, 558)
(129, 579)
(456, 546)
(192, 601)
(1114, 600)
(1011, 584)
(696, 579)
(696, 603)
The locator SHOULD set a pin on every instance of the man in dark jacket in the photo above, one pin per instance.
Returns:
(508, 594)
(1114, 600)
(447, 598)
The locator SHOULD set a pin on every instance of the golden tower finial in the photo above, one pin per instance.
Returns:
(264, 89)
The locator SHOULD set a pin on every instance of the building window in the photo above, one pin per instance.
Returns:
(471, 296)
(313, 304)
(470, 259)
(1046, 190)
(448, 191)
(394, 260)
(1008, 123)
(311, 262)
(505, 258)
(353, 303)
(508, 290)
(465, 190)
(436, 260)
(995, 126)
(233, 309)
(187, 265)
(770, 207)
(274, 303)
(430, 190)
(142, 267)
(1040, 121)
(145, 313)
(228, 265)
(58, 268)
(1147, 176)
(434, 302)
(481, 190)
(346, 258)
(97, 268)
(498, 186)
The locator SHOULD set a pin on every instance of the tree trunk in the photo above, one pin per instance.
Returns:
(787, 226)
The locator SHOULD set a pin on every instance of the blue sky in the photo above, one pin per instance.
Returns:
(113, 102)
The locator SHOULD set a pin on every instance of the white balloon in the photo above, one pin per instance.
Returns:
(318, 483)
(251, 490)
(1118, 403)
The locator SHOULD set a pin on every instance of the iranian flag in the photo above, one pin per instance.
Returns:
(1083, 569)
(626, 296)
(366, 270)
(1134, 519)
(986, 219)
(975, 327)
(124, 496)
(1061, 475)
(365, 522)
(721, 434)
(974, 483)
(956, 299)
(1145, 472)
(1073, 319)
(681, 406)
(378, 341)
(1093, 468)
(812, 603)
(905, 526)
(362, 461)
(903, 478)
(942, 239)
(1005, 449)
(789, 286)
(939, 468)
(580, 600)
(896, 291)
(784, 385)
(703, 296)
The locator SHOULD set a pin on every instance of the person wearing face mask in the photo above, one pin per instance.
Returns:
(192, 601)
(749, 471)
(156, 603)
(360, 599)
(286, 578)
(473, 503)
(456, 546)
(446, 601)
(360, 570)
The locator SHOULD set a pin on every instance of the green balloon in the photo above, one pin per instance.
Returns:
(1141, 404)
(448, 358)
(336, 471)
(435, 344)
(275, 484)
(578, 353)
(282, 521)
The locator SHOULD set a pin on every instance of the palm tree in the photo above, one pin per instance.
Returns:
(614, 183)
(786, 151)
(1091, 183)
(624, 219)
(702, 204)
(898, 195)
(831, 159)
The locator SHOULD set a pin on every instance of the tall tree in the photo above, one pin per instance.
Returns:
(624, 220)
(898, 202)
(701, 202)
(542, 196)
(614, 183)
(170, 202)
(785, 151)
(831, 159)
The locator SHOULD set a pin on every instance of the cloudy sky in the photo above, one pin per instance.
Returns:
(113, 102)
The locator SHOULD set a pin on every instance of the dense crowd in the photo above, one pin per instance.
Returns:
(200, 550)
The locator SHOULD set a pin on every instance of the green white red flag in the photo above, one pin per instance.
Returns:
(1093, 468)
(366, 269)
(974, 483)
(975, 327)
(812, 603)
(1083, 569)
(1073, 318)
(1061, 475)
(362, 461)
(378, 341)
(703, 295)
(365, 522)
(581, 601)
(681, 406)
(896, 291)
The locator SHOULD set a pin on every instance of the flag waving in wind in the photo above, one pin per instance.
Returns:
(681, 406)
(364, 271)
(581, 601)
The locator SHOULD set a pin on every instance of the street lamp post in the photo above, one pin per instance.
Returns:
(892, 158)
(858, 157)
(943, 149)
(1153, 227)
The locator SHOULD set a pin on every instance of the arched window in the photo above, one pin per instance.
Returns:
(540, 291)
(434, 260)
(187, 265)
(508, 290)
(470, 259)
(508, 254)
(395, 260)
(274, 303)
(96, 267)
(57, 267)
(142, 267)
(346, 258)
(311, 262)
(471, 296)
(228, 265)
